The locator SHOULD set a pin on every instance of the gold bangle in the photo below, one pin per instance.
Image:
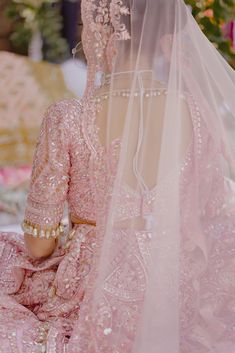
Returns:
(37, 232)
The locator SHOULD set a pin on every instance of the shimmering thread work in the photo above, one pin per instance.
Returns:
(100, 26)
(117, 293)
(48, 303)
(50, 175)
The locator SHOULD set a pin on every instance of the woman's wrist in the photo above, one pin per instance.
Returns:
(40, 248)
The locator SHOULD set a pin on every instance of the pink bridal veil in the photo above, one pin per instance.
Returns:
(162, 279)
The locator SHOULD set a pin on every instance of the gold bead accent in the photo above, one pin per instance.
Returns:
(52, 291)
(34, 230)
(153, 92)
(71, 234)
(67, 245)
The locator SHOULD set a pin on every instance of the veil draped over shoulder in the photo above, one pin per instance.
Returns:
(163, 277)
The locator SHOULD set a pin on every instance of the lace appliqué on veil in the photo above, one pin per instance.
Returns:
(103, 19)
(117, 10)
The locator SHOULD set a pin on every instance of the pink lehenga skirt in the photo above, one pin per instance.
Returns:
(40, 300)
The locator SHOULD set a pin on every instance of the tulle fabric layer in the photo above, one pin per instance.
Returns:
(162, 280)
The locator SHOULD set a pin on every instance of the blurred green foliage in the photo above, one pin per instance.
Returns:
(211, 16)
(29, 16)
(44, 15)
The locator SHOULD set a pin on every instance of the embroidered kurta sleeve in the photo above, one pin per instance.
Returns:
(50, 176)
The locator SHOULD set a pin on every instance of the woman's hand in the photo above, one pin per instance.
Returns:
(39, 248)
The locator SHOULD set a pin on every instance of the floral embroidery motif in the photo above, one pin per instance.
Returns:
(117, 10)
(102, 20)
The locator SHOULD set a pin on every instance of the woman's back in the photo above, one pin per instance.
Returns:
(150, 102)
(146, 165)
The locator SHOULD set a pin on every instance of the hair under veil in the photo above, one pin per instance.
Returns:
(162, 277)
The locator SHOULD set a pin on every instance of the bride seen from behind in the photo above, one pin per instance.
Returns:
(146, 166)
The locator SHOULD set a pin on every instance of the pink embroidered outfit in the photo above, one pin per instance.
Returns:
(145, 164)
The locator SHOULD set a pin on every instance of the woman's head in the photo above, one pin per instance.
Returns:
(128, 33)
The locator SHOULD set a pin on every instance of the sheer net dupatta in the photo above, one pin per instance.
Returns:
(164, 100)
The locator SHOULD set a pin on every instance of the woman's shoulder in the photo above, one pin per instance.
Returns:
(64, 115)
(61, 120)
(67, 109)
